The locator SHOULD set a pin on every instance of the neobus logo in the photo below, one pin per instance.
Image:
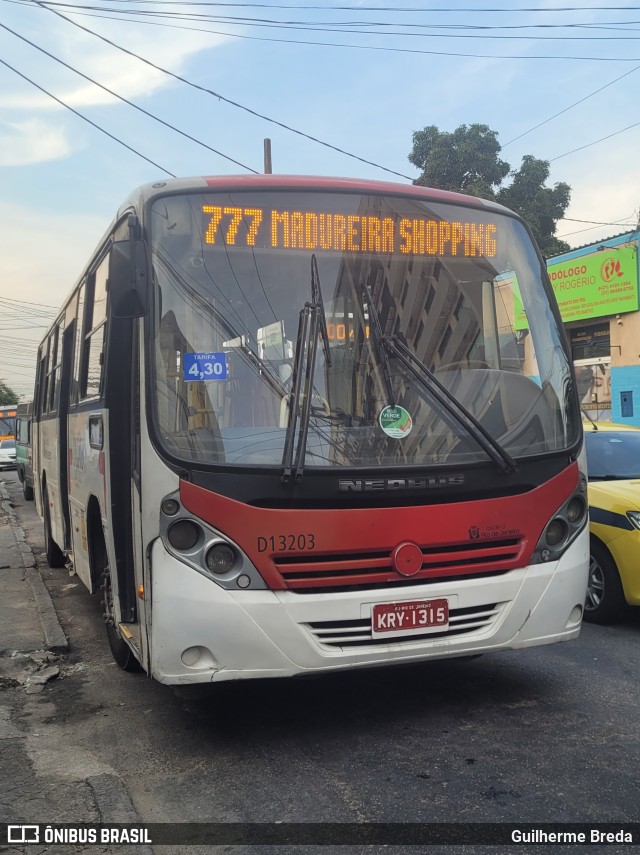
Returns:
(431, 481)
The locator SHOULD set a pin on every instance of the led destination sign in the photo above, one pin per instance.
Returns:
(231, 226)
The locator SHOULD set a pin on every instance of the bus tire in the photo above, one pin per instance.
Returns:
(120, 650)
(605, 602)
(27, 491)
(55, 556)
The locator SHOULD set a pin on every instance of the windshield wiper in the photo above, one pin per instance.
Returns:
(378, 338)
(312, 323)
(318, 302)
(385, 345)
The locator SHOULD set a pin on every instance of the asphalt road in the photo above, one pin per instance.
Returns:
(547, 734)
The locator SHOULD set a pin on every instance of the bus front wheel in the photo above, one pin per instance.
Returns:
(120, 650)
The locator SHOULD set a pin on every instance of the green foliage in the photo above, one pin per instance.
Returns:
(7, 395)
(467, 161)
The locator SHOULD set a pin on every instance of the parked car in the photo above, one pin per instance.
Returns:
(7, 454)
(613, 463)
(23, 448)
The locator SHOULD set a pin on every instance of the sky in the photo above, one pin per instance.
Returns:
(557, 80)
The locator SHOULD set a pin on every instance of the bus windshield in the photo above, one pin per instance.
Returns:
(8, 422)
(459, 289)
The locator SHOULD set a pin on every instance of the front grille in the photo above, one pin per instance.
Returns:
(343, 634)
(371, 570)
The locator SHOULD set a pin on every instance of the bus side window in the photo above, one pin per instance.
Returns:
(57, 368)
(74, 392)
(92, 363)
(41, 382)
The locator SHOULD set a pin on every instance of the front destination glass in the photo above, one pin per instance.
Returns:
(233, 272)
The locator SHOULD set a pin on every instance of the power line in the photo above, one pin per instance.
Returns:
(570, 107)
(126, 100)
(26, 302)
(31, 327)
(595, 142)
(594, 222)
(266, 118)
(305, 42)
(219, 96)
(334, 26)
(93, 124)
(616, 26)
(410, 9)
(589, 229)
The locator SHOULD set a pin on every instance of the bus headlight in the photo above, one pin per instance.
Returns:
(576, 510)
(221, 558)
(184, 535)
(563, 527)
(199, 545)
(170, 507)
(556, 532)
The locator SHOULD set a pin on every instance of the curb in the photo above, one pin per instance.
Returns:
(55, 639)
(109, 791)
(115, 805)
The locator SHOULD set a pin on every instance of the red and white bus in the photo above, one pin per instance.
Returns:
(295, 425)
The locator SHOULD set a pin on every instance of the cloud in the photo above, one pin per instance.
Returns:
(40, 266)
(611, 195)
(27, 134)
(170, 48)
(45, 272)
(31, 141)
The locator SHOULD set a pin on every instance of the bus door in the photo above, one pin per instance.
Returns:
(121, 399)
(67, 345)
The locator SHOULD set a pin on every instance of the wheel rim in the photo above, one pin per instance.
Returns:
(595, 587)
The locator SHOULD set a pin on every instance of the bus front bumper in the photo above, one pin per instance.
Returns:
(202, 632)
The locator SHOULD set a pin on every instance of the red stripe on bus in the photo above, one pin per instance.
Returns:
(288, 546)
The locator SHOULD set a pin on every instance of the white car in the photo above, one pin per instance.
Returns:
(7, 454)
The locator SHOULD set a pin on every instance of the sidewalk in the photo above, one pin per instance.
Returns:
(44, 778)
(29, 626)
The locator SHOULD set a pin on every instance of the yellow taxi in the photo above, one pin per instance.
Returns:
(613, 463)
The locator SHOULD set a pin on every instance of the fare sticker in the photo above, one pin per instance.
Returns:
(395, 422)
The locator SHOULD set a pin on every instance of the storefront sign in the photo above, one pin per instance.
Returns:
(601, 283)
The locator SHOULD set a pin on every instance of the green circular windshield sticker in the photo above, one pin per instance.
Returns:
(395, 422)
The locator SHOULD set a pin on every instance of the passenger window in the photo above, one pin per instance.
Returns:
(92, 367)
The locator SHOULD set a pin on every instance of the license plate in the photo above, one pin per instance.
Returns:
(410, 617)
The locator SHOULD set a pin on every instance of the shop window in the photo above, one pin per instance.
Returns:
(591, 342)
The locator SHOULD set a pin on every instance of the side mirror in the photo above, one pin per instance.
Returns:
(128, 279)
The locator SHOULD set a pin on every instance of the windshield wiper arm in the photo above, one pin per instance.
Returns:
(379, 343)
(384, 346)
(452, 405)
(316, 300)
(312, 323)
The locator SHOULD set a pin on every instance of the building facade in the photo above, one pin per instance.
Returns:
(597, 291)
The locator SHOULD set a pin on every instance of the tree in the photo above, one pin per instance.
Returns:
(467, 161)
(7, 395)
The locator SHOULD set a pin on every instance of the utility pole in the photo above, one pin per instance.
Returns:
(267, 157)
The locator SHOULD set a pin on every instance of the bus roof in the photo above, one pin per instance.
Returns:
(303, 182)
(142, 194)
